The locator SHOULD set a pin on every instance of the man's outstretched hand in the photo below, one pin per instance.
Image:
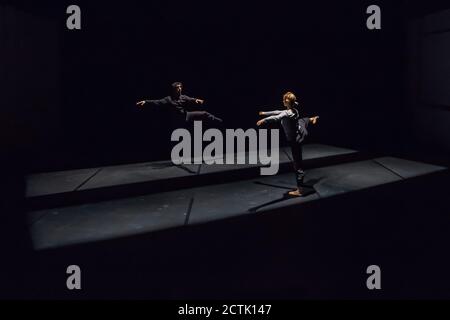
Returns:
(314, 119)
(199, 101)
(140, 103)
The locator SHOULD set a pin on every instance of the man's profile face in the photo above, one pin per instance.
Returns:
(178, 89)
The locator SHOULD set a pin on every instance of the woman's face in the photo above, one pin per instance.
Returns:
(286, 102)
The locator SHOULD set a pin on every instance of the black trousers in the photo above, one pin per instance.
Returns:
(200, 115)
(297, 158)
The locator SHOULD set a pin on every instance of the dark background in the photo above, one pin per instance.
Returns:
(68, 101)
(70, 94)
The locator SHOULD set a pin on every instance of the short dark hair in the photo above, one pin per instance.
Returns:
(176, 84)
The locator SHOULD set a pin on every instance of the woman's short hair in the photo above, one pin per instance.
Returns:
(290, 97)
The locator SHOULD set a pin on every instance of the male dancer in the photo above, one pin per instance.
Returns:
(180, 102)
(295, 129)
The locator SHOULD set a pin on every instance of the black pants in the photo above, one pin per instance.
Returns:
(200, 115)
(297, 158)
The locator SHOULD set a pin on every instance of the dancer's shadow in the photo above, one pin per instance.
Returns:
(308, 190)
(284, 198)
(169, 164)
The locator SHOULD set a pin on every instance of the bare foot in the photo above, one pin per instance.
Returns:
(296, 193)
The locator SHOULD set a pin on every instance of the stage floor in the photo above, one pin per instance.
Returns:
(142, 214)
(57, 189)
(61, 182)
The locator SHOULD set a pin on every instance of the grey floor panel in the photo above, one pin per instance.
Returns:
(406, 168)
(136, 173)
(109, 219)
(244, 197)
(312, 151)
(334, 180)
(57, 182)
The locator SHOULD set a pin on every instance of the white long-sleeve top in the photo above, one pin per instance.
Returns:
(294, 128)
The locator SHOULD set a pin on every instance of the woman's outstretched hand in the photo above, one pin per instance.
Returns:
(260, 123)
(140, 103)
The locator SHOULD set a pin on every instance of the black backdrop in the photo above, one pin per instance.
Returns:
(239, 56)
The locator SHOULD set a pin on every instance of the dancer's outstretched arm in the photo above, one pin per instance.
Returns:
(195, 100)
(158, 102)
(270, 113)
(278, 115)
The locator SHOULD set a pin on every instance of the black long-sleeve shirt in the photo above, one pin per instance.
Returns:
(295, 128)
(180, 105)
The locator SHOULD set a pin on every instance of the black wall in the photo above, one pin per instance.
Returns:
(240, 57)
(29, 123)
(29, 80)
(428, 94)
